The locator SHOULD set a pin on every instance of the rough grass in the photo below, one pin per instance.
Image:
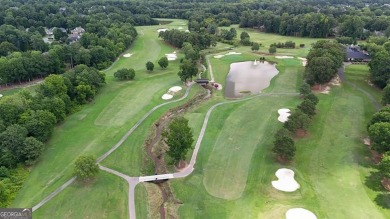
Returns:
(360, 75)
(106, 197)
(98, 126)
(332, 165)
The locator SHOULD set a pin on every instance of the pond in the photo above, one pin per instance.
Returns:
(249, 78)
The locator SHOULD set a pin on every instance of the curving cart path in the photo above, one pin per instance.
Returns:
(133, 181)
(101, 158)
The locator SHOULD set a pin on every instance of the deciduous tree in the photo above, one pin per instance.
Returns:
(85, 168)
(179, 138)
(163, 62)
(149, 66)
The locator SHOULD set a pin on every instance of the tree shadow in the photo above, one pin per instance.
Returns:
(383, 200)
(373, 181)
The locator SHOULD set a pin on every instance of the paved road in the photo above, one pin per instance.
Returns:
(62, 187)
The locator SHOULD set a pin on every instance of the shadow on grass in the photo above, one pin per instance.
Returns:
(373, 181)
(383, 200)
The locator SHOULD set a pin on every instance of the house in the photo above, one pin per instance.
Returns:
(355, 53)
(78, 30)
(62, 10)
(74, 37)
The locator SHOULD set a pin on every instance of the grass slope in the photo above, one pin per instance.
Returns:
(99, 125)
(331, 165)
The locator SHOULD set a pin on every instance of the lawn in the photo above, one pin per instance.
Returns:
(99, 125)
(360, 75)
(235, 166)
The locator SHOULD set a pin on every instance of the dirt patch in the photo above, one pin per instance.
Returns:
(23, 84)
(155, 149)
(326, 88)
(386, 183)
(300, 133)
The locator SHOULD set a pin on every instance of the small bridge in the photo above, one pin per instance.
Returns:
(154, 178)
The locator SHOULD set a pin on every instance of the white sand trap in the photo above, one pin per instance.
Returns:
(284, 57)
(304, 61)
(127, 55)
(283, 115)
(187, 31)
(219, 56)
(233, 53)
(326, 90)
(300, 213)
(171, 56)
(161, 30)
(175, 89)
(286, 181)
(166, 96)
(1, 95)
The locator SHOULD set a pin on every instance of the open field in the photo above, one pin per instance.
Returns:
(266, 39)
(235, 165)
(360, 75)
(103, 123)
(331, 164)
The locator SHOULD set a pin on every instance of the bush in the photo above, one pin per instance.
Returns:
(125, 74)
(85, 168)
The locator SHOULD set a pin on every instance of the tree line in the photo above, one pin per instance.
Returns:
(27, 121)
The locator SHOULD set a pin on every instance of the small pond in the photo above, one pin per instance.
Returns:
(248, 78)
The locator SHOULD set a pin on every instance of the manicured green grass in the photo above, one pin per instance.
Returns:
(360, 75)
(104, 198)
(266, 39)
(142, 201)
(99, 125)
(235, 165)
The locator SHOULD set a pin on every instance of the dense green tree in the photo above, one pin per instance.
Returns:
(380, 68)
(149, 66)
(179, 138)
(125, 74)
(384, 165)
(59, 34)
(188, 70)
(297, 121)
(380, 136)
(255, 47)
(39, 124)
(305, 89)
(312, 97)
(244, 35)
(284, 147)
(386, 95)
(85, 168)
(190, 52)
(84, 93)
(11, 145)
(4, 195)
(272, 49)
(32, 149)
(307, 107)
(320, 70)
(163, 62)
(352, 27)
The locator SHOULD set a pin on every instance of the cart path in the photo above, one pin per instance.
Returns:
(210, 69)
(101, 158)
(343, 79)
(133, 181)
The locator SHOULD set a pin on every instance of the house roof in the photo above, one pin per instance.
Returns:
(356, 53)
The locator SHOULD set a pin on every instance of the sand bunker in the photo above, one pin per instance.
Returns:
(286, 181)
(171, 56)
(161, 30)
(304, 61)
(175, 89)
(1, 95)
(187, 31)
(166, 96)
(284, 57)
(127, 55)
(227, 54)
(283, 115)
(300, 213)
